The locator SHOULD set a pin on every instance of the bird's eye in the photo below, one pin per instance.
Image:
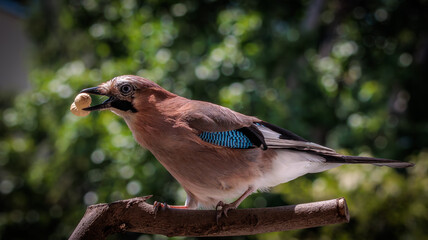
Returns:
(125, 89)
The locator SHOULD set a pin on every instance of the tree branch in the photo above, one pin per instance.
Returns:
(135, 215)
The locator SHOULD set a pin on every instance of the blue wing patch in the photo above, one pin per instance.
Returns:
(230, 139)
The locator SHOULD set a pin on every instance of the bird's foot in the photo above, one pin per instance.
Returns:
(159, 206)
(225, 207)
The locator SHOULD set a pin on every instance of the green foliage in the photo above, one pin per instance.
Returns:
(349, 75)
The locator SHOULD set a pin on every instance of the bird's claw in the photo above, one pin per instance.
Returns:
(224, 209)
(159, 206)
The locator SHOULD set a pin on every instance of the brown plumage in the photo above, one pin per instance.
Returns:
(170, 127)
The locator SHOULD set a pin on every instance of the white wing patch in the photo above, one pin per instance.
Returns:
(268, 133)
(273, 140)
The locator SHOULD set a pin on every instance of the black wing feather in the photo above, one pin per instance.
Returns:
(255, 136)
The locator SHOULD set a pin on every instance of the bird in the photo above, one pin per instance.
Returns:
(216, 154)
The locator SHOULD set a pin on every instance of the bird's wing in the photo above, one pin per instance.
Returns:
(227, 128)
(224, 127)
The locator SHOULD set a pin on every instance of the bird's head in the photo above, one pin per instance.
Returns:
(127, 94)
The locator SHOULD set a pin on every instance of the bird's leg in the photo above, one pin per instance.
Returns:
(191, 203)
(225, 207)
(158, 205)
(178, 206)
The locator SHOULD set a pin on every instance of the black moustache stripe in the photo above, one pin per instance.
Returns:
(123, 105)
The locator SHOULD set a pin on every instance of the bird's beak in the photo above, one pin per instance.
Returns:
(98, 91)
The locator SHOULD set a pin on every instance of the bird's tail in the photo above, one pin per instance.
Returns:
(368, 160)
(330, 155)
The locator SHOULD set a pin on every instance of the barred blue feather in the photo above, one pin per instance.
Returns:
(230, 139)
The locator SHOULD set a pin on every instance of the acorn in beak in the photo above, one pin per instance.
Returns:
(98, 91)
(111, 102)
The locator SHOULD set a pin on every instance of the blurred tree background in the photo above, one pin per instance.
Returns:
(348, 74)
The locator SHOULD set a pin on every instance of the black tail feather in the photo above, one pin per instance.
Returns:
(368, 160)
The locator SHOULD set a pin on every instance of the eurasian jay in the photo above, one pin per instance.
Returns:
(215, 153)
